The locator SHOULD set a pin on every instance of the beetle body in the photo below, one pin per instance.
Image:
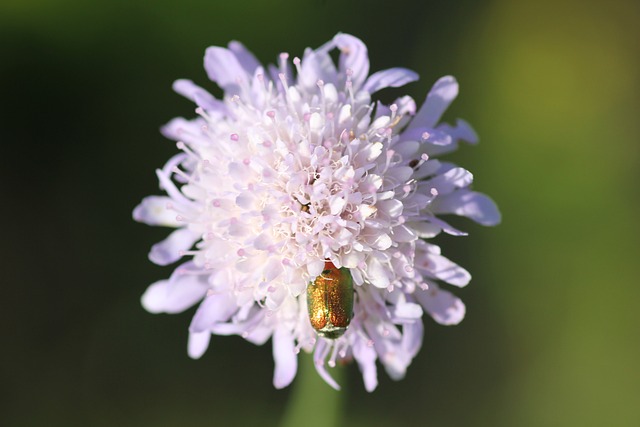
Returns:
(330, 301)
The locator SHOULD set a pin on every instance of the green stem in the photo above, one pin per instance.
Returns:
(313, 403)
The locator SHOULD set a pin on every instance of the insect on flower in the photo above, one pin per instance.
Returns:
(304, 209)
(330, 301)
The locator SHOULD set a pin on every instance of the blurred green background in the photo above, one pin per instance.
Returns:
(551, 334)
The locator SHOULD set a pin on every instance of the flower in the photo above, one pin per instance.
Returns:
(296, 166)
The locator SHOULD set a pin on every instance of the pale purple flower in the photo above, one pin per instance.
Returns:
(297, 165)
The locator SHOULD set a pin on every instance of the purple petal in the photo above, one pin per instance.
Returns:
(198, 344)
(425, 230)
(412, 338)
(169, 250)
(285, 358)
(354, 57)
(406, 105)
(399, 174)
(406, 109)
(274, 73)
(215, 308)
(471, 204)
(377, 274)
(366, 358)
(459, 177)
(433, 136)
(443, 306)
(316, 65)
(166, 184)
(446, 227)
(450, 180)
(246, 328)
(259, 335)
(320, 354)
(446, 270)
(153, 211)
(402, 233)
(407, 149)
(393, 77)
(462, 131)
(244, 57)
(223, 67)
(201, 97)
(437, 137)
(181, 129)
(407, 311)
(175, 295)
(315, 267)
(443, 92)
(392, 207)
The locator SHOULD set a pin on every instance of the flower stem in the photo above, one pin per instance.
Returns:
(313, 402)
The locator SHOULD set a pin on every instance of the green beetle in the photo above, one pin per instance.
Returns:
(330, 301)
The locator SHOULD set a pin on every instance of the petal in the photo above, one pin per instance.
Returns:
(263, 241)
(416, 202)
(201, 97)
(395, 362)
(351, 259)
(377, 274)
(354, 57)
(214, 309)
(175, 295)
(471, 204)
(428, 168)
(391, 208)
(170, 249)
(315, 267)
(443, 92)
(393, 77)
(259, 335)
(319, 355)
(285, 358)
(461, 131)
(164, 176)
(407, 148)
(402, 233)
(406, 105)
(245, 58)
(181, 129)
(382, 241)
(407, 311)
(443, 306)
(316, 65)
(412, 338)
(223, 67)
(250, 327)
(444, 269)
(366, 358)
(275, 299)
(448, 181)
(198, 344)
(437, 137)
(337, 204)
(272, 269)
(398, 175)
(425, 230)
(446, 227)
(153, 211)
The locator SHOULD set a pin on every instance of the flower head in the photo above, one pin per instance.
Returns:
(297, 167)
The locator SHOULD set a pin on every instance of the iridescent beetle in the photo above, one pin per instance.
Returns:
(330, 301)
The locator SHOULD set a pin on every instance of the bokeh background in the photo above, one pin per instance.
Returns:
(551, 335)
